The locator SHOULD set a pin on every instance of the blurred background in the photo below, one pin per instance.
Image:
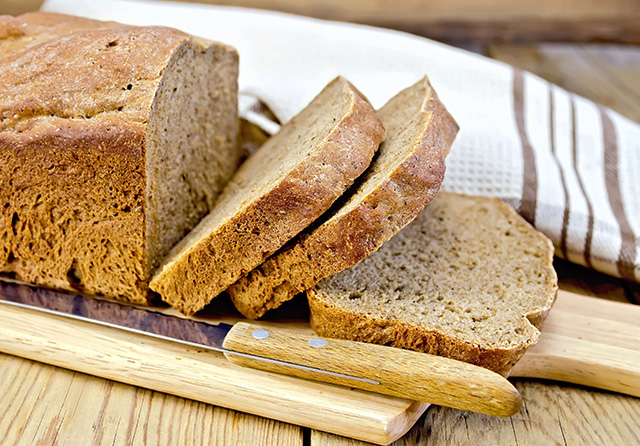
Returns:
(589, 47)
(460, 20)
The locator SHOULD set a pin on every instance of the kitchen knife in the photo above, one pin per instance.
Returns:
(387, 370)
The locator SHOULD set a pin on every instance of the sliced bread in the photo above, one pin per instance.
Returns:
(467, 279)
(115, 141)
(288, 183)
(404, 176)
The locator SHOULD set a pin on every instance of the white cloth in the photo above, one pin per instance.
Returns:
(567, 165)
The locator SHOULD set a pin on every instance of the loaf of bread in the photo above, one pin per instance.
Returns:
(404, 176)
(281, 189)
(114, 142)
(468, 279)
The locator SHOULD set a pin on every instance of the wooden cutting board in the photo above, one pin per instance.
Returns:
(585, 340)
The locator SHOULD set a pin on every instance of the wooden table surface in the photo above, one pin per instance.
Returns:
(459, 20)
(43, 405)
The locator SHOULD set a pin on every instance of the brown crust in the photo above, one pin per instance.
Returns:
(73, 175)
(342, 242)
(210, 266)
(50, 183)
(332, 321)
(75, 69)
(75, 99)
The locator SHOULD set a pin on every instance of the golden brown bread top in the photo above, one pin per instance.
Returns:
(45, 57)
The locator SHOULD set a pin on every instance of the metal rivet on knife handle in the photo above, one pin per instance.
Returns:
(317, 342)
(260, 334)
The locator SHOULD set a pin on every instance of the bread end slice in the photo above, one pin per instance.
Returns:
(468, 279)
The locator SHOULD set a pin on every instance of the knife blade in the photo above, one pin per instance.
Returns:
(129, 318)
(386, 370)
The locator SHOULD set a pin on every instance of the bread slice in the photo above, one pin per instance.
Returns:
(403, 177)
(468, 279)
(294, 177)
(115, 141)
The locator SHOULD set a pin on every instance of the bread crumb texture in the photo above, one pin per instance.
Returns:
(468, 279)
(281, 189)
(403, 177)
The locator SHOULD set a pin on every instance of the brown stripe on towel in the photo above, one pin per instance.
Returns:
(565, 213)
(627, 254)
(574, 147)
(530, 175)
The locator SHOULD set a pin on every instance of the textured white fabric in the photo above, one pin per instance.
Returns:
(567, 165)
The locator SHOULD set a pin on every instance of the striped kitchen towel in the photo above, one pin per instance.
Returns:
(569, 166)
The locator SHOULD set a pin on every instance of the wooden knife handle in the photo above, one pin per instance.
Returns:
(387, 370)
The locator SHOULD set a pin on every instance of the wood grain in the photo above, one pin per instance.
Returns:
(41, 402)
(588, 341)
(45, 405)
(402, 373)
(489, 20)
(202, 375)
(459, 20)
(150, 320)
(566, 421)
(421, 11)
(552, 414)
(596, 326)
